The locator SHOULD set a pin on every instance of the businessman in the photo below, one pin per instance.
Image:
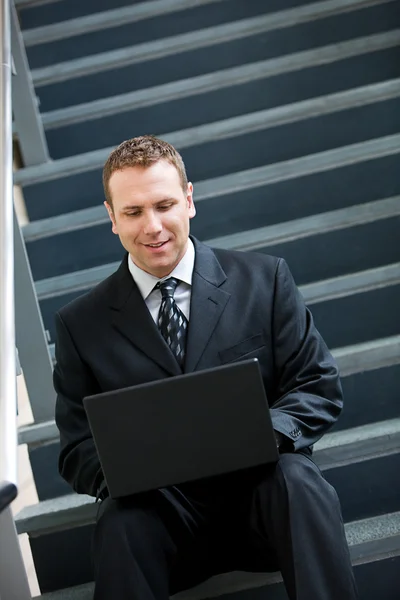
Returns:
(175, 305)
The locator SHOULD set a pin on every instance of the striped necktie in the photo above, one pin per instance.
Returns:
(171, 320)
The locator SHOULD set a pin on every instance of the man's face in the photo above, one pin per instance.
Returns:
(151, 215)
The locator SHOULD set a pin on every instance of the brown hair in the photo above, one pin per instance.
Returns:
(143, 151)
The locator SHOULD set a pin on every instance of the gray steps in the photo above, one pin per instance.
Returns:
(371, 541)
(344, 449)
(139, 22)
(372, 111)
(375, 316)
(67, 278)
(345, 457)
(360, 317)
(257, 19)
(226, 46)
(301, 136)
(341, 246)
(36, 13)
(275, 193)
(74, 183)
(362, 368)
(279, 81)
(290, 191)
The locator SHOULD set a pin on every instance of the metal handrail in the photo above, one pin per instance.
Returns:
(8, 392)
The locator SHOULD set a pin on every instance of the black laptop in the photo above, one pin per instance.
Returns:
(182, 428)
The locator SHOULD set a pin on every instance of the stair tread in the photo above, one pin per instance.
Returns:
(334, 105)
(106, 19)
(210, 36)
(342, 447)
(359, 358)
(369, 539)
(254, 240)
(186, 87)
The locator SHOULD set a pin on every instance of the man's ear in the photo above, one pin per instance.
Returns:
(189, 197)
(112, 217)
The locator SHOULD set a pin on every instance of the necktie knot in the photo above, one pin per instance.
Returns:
(167, 287)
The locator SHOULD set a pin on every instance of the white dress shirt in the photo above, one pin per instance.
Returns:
(146, 282)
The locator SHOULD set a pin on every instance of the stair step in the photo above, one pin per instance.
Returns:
(77, 184)
(40, 13)
(212, 65)
(142, 22)
(362, 368)
(370, 540)
(249, 20)
(279, 127)
(377, 215)
(362, 388)
(36, 13)
(338, 252)
(360, 317)
(343, 449)
(277, 81)
(290, 191)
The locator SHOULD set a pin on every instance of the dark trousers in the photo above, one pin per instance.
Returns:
(279, 517)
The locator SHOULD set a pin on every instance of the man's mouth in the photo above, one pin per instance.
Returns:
(158, 245)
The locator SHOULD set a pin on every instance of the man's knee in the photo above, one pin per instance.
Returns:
(130, 521)
(298, 474)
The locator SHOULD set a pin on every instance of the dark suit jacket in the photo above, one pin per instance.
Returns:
(242, 305)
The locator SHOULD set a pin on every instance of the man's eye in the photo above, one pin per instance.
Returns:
(164, 207)
(133, 214)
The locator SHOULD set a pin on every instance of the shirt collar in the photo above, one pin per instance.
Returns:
(183, 271)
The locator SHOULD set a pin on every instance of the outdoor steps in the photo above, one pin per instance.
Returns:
(362, 464)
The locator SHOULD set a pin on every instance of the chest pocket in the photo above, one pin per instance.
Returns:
(248, 348)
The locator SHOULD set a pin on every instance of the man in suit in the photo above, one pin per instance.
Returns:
(223, 306)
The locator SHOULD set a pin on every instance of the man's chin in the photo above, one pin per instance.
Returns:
(159, 268)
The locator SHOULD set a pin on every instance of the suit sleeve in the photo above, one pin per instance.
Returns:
(308, 397)
(78, 463)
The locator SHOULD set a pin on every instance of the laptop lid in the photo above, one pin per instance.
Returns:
(182, 428)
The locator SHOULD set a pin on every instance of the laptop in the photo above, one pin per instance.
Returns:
(182, 428)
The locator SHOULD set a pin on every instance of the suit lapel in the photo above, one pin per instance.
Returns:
(131, 317)
(208, 302)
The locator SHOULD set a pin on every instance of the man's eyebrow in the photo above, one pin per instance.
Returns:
(169, 199)
(157, 203)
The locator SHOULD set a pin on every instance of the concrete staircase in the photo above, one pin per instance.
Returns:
(287, 114)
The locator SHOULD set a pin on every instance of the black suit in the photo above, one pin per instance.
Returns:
(242, 305)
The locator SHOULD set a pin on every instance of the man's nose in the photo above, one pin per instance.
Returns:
(152, 223)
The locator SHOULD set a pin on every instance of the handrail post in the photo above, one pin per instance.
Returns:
(13, 579)
(8, 389)
(27, 120)
(30, 335)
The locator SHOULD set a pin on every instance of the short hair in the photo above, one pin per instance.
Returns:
(143, 151)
